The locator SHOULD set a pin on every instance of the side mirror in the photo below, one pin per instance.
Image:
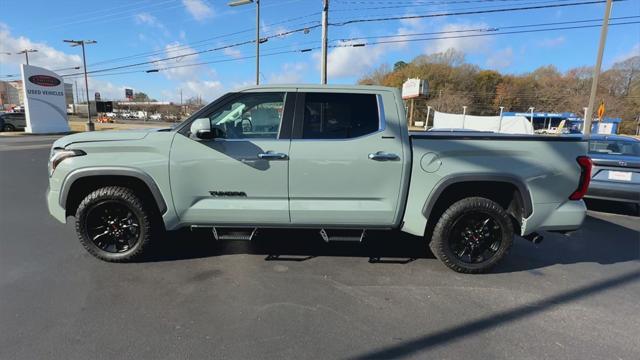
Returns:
(214, 133)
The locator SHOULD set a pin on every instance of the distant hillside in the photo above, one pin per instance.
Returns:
(453, 83)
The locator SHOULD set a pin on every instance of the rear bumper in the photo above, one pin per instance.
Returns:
(565, 217)
(615, 191)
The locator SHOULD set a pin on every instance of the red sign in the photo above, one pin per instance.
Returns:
(44, 80)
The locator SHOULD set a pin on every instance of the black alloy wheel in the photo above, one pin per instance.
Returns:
(112, 226)
(116, 225)
(475, 237)
(472, 235)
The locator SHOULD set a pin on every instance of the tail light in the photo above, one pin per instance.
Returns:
(585, 177)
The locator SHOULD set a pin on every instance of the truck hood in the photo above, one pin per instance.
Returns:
(109, 135)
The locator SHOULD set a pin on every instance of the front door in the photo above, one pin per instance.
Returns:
(240, 176)
(346, 163)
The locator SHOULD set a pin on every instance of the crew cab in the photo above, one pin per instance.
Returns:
(338, 159)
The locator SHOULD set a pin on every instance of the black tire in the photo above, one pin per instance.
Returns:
(485, 243)
(9, 127)
(126, 210)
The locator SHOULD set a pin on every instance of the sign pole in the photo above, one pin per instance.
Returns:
(411, 112)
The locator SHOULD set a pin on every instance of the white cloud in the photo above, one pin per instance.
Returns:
(207, 89)
(349, 61)
(500, 59)
(193, 80)
(290, 73)
(198, 9)
(146, 18)
(553, 42)
(46, 56)
(107, 89)
(176, 69)
(232, 52)
(467, 45)
(152, 21)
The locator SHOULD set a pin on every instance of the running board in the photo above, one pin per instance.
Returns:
(343, 235)
(233, 233)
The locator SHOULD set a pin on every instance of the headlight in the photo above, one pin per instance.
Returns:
(59, 154)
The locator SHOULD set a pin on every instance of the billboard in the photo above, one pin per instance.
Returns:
(44, 100)
(128, 93)
(413, 88)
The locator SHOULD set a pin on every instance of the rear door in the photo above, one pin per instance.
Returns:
(346, 162)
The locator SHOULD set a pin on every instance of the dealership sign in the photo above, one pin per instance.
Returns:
(413, 88)
(44, 100)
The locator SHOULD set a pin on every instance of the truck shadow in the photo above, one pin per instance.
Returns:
(598, 241)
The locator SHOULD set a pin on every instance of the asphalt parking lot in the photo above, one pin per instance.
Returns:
(288, 295)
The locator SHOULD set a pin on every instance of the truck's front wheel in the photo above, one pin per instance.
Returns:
(113, 224)
(472, 235)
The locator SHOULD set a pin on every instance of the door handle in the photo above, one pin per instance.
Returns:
(383, 156)
(270, 155)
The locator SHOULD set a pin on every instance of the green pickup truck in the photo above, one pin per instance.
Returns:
(338, 159)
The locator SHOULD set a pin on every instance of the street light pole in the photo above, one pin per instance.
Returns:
(596, 70)
(325, 23)
(89, 125)
(244, 2)
(26, 53)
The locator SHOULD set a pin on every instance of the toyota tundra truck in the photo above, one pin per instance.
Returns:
(339, 159)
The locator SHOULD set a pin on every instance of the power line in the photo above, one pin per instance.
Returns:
(497, 33)
(485, 29)
(459, 13)
(358, 45)
(430, 4)
(285, 33)
(200, 43)
(306, 29)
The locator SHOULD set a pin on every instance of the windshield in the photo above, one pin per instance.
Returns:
(614, 147)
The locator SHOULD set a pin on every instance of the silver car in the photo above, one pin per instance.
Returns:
(12, 121)
(616, 169)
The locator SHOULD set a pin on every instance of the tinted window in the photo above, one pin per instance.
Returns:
(339, 116)
(250, 116)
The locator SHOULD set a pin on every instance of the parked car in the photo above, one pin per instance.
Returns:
(616, 170)
(335, 158)
(13, 121)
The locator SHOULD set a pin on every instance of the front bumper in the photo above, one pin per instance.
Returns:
(615, 191)
(53, 203)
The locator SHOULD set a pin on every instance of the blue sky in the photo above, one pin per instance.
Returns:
(146, 30)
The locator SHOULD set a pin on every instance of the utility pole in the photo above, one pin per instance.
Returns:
(325, 25)
(89, 125)
(596, 70)
(75, 110)
(26, 53)
(181, 106)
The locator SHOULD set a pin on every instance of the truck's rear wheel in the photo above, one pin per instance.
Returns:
(113, 224)
(472, 235)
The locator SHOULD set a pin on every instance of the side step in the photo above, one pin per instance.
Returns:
(233, 233)
(342, 235)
